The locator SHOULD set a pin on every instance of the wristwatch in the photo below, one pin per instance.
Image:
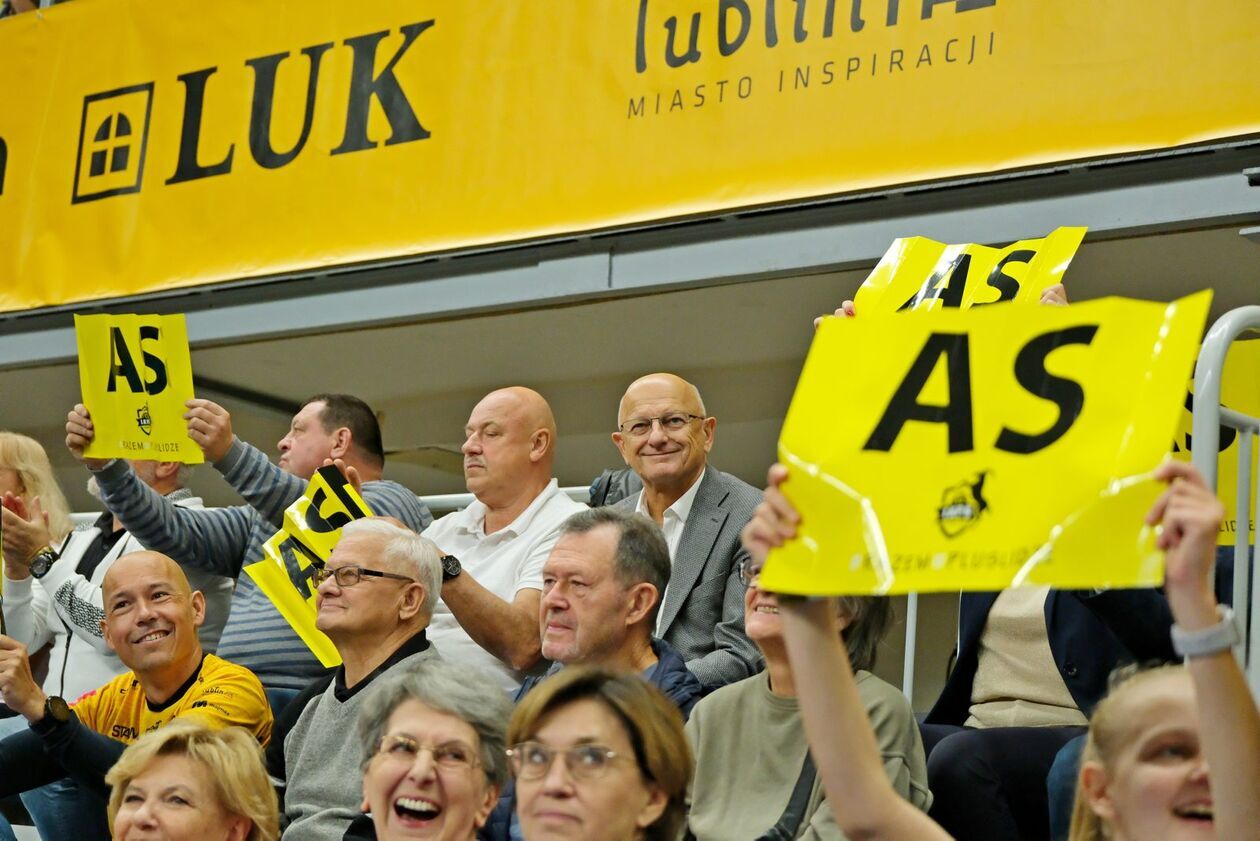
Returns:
(43, 561)
(451, 567)
(56, 710)
(1210, 640)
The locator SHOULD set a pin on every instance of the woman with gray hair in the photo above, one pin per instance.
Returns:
(434, 754)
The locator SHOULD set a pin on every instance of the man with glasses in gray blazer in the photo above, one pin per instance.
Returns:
(665, 436)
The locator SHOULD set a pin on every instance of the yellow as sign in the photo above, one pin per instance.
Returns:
(135, 374)
(985, 448)
(920, 273)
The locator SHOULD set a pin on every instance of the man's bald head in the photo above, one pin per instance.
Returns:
(664, 433)
(151, 618)
(660, 386)
(144, 567)
(509, 444)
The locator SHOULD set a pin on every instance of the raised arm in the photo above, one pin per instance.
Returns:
(841, 740)
(211, 539)
(1229, 722)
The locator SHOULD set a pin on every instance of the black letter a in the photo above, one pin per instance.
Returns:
(120, 362)
(905, 406)
(363, 86)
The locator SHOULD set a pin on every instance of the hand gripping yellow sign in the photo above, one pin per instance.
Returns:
(312, 527)
(921, 273)
(986, 448)
(135, 374)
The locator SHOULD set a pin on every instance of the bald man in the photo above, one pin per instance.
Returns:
(664, 435)
(493, 550)
(151, 621)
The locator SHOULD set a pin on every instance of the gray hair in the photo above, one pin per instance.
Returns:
(467, 692)
(642, 554)
(869, 620)
(408, 550)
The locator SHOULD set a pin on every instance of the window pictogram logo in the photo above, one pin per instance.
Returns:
(113, 139)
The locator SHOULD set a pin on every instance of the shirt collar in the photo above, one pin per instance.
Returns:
(412, 646)
(681, 506)
(472, 520)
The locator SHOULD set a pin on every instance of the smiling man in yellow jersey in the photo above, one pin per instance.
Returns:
(151, 621)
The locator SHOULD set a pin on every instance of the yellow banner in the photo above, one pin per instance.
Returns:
(984, 448)
(1240, 391)
(154, 146)
(312, 527)
(135, 374)
(921, 273)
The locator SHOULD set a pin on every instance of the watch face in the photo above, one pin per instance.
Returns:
(41, 564)
(58, 708)
(450, 566)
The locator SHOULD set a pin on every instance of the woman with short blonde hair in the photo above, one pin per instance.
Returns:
(192, 783)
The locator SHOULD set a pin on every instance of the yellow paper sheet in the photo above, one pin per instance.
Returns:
(312, 527)
(985, 448)
(135, 374)
(921, 273)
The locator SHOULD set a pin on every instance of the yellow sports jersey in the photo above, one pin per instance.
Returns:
(220, 693)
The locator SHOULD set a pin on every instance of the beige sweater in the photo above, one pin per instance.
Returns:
(749, 746)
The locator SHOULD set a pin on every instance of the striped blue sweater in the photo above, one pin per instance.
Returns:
(222, 540)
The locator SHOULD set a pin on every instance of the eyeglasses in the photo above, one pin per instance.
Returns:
(532, 760)
(749, 571)
(404, 749)
(348, 576)
(641, 427)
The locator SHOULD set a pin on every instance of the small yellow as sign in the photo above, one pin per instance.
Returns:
(312, 527)
(984, 448)
(135, 374)
(918, 273)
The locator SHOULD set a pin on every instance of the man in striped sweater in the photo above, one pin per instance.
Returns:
(222, 540)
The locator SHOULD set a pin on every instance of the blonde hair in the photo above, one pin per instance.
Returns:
(232, 757)
(27, 458)
(652, 722)
(1108, 736)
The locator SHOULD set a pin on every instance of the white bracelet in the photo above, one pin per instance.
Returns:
(1214, 639)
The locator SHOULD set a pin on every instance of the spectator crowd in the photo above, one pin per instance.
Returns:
(631, 641)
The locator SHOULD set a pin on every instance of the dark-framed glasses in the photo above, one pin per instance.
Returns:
(454, 755)
(531, 760)
(749, 571)
(673, 422)
(348, 576)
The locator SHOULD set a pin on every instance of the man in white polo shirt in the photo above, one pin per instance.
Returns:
(495, 548)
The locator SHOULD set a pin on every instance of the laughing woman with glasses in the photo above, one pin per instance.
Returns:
(599, 757)
(433, 756)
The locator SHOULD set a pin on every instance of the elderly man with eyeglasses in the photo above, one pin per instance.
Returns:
(375, 598)
(664, 434)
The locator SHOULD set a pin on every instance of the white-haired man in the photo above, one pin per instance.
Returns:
(375, 599)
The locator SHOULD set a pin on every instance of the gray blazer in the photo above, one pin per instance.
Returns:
(702, 614)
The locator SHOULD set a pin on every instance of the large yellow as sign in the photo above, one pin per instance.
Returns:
(135, 375)
(158, 145)
(983, 448)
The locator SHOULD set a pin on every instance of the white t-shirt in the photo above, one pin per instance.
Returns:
(504, 563)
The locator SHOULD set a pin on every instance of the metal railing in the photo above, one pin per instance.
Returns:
(1208, 416)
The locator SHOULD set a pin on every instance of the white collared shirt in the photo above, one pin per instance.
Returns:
(675, 520)
(506, 562)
